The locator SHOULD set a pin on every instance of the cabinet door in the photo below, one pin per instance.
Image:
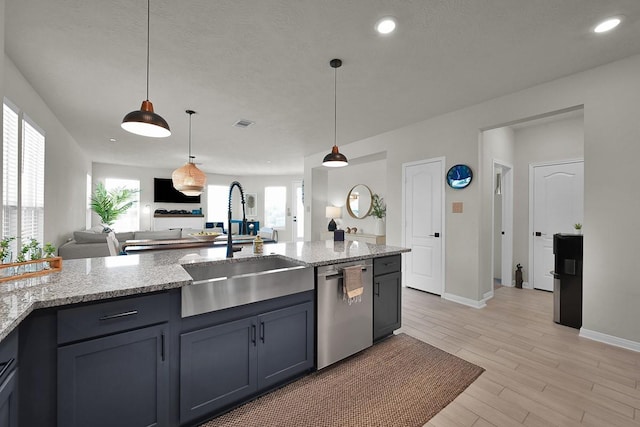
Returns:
(8, 401)
(217, 367)
(387, 299)
(285, 343)
(119, 380)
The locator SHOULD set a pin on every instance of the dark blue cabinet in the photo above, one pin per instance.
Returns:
(387, 296)
(8, 381)
(118, 380)
(217, 367)
(223, 365)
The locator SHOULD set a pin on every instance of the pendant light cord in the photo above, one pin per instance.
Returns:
(190, 115)
(148, 42)
(335, 106)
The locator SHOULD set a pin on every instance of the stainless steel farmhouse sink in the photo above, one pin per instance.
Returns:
(217, 286)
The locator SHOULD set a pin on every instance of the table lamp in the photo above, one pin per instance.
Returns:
(333, 212)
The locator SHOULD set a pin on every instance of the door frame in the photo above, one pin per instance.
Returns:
(507, 222)
(294, 211)
(443, 245)
(532, 166)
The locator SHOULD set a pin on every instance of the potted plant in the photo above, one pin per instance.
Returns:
(378, 211)
(577, 227)
(49, 250)
(109, 205)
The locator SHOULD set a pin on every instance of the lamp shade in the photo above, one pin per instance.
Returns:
(333, 212)
(189, 180)
(145, 122)
(335, 159)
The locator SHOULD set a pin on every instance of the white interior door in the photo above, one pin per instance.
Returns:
(297, 212)
(558, 199)
(423, 205)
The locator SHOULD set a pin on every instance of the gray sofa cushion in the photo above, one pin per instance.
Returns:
(89, 236)
(158, 235)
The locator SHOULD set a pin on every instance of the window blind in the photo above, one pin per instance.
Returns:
(10, 174)
(32, 189)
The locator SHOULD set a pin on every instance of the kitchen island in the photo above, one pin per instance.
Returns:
(52, 315)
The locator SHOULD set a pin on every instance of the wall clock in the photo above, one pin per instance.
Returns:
(459, 176)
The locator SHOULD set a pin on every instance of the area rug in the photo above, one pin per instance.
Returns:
(399, 382)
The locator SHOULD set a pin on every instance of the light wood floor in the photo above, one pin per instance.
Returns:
(537, 373)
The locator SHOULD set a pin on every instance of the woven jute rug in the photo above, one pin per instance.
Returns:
(399, 382)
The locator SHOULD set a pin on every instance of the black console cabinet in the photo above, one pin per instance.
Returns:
(9, 381)
(567, 283)
(387, 296)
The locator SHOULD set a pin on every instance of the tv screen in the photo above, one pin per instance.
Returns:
(163, 192)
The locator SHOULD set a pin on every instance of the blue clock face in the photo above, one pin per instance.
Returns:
(459, 176)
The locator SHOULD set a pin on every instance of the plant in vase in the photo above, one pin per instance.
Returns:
(49, 250)
(578, 228)
(378, 211)
(35, 252)
(5, 249)
(22, 257)
(109, 205)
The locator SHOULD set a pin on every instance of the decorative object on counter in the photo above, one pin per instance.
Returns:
(338, 236)
(359, 201)
(577, 227)
(258, 245)
(353, 230)
(335, 159)
(412, 396)
(145, 121)
(459, 176)
(332, 212)
(36, 265)
(208, 236)
(109, 205)
(379, 212)
(188, 179)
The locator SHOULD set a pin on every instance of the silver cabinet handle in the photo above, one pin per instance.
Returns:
(119, 315)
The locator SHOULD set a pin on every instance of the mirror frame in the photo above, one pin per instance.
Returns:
(368, 208)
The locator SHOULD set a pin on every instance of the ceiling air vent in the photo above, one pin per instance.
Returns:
(242, 123)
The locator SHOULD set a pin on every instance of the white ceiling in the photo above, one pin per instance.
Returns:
(268, 61)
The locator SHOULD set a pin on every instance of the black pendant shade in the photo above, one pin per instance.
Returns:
(145, 121)
(335, 159)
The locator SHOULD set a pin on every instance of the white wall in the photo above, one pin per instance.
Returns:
(250, 184)
(66, 165)
(611, 135)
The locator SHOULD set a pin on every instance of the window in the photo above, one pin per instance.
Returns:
(275, 205)
(217, 203)
(23, 177)
(130, 220)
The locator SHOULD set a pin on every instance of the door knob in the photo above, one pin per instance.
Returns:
(434, 235)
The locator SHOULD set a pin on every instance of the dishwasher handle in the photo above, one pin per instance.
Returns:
(337, 275)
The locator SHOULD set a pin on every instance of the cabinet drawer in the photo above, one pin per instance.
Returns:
(385, 265)
(104, 318)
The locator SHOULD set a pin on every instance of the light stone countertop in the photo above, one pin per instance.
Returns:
(94, 279)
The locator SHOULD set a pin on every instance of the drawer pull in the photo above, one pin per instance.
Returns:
(119, 315)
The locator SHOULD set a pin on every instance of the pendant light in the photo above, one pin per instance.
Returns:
(335, 159)
(188, 179)
(144, 121)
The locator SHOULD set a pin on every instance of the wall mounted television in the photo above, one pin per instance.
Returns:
(163, 192)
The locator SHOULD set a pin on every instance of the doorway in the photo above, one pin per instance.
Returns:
(423, 204)
(502, 224)
(297, 212)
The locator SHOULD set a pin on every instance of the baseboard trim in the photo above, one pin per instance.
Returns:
(526, 285)
(487, 295)
(464, 301)
(610, 339)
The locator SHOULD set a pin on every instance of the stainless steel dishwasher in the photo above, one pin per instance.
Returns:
(343, 328)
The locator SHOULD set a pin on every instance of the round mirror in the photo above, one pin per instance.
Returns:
(359, 201)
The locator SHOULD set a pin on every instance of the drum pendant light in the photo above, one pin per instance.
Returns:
(144, 121)
(188, 179)
(335, 159)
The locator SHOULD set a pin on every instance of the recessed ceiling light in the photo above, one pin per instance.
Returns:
(386, 25)
(112, 140)
(607, 25)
